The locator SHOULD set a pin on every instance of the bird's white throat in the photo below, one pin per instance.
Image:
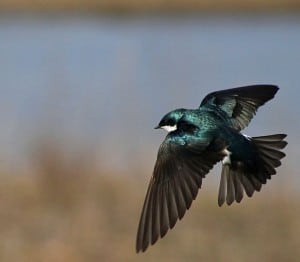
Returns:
(169, 128)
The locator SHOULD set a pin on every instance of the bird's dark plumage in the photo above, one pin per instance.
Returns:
(196, 141)
(239, 104)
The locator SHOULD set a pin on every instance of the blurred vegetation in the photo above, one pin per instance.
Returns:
(66, 209)
(148, 5)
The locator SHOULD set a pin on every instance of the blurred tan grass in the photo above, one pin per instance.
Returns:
(68, 210)
(148, 5)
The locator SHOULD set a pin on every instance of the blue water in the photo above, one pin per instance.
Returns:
(103, 83)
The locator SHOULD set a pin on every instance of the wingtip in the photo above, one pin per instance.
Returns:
(275, 88)
(140, 249)
(137, 248)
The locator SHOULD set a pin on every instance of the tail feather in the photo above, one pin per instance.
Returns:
(222, 187)
(230, 189)
(256, 183)
(271, 138)
(248, 186)
(237, 180)
(271, 153)
(239, 192)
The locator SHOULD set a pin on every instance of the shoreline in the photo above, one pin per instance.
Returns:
(122, 7)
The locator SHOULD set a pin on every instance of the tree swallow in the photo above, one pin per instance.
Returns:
(199, 138)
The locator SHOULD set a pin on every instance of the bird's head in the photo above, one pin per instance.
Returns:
(170, 120)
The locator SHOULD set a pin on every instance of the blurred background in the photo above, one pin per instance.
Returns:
(84, 82)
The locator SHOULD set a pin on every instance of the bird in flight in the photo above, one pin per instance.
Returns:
(199, 138)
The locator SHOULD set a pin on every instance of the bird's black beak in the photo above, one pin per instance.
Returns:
(157, 127)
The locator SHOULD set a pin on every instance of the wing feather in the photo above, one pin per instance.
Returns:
(239, 105)
(164, 216)
(172, 206)
(175, 182)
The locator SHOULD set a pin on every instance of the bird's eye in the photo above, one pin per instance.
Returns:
(171, 122)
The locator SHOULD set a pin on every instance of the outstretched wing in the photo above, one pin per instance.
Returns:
(175, 182)
(239, 104)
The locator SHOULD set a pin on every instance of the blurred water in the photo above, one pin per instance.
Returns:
(105, 82)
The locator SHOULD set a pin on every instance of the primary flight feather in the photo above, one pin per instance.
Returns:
(199, 138)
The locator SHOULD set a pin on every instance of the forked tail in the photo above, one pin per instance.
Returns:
(237, 178)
